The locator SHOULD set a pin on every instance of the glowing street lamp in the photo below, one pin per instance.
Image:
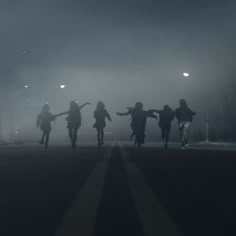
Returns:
(62, 86)
(185, 74)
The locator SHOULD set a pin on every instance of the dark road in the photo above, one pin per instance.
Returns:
(117, 190)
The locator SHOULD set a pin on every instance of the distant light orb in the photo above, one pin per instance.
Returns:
(26, 86)
(185, 74)
(62, 86)
(17, 132)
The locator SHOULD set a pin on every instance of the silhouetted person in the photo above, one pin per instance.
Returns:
(131, 113)
(138, 121)
(73, 121)
(166, 116)
(184, 116)
(44, 122)
(100, 114)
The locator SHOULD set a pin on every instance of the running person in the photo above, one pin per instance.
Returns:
(44, 122)
(166, 116)
(73, 121)
(131, 113)
(100, 115)
(138, 122)
(184, 116)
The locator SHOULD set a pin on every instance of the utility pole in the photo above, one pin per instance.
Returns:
(207, 127)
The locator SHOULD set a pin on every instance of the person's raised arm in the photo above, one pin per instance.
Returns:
(85, 104)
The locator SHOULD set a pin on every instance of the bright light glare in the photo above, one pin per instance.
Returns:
(26, 86)
(186, 74)
(62, 86)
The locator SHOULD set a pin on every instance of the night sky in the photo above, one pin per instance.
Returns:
(119, 52)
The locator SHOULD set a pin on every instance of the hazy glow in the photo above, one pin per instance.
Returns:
(185, 74)
(62, 86)
(26, 86)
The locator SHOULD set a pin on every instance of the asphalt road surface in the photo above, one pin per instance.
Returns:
(117, 190)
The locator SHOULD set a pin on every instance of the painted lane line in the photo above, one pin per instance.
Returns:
(153, 218)
(81, 217)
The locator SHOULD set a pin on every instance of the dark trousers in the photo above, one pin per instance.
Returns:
(72, 132)
(165, 133)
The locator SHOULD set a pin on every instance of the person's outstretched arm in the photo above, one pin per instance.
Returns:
(108, 116)
(52, 117)
(61, 114)
(85, 104)
(192, 112)
(150, 114)
(153, 110)
(123, 114)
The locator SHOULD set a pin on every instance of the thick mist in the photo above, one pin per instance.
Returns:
(119, 53)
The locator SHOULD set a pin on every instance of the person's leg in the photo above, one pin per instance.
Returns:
(185, 136)
(75, 137)
(131, 136)
(98, 136)
(70, 133)
(102, 135)
(187, 133)
(139, 137)
(42, 138)
(162, 133)
(167, 134)
(135, 134)
(47, 139)
(181, 131)
(143, 138)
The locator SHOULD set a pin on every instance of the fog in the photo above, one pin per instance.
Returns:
(118, 52)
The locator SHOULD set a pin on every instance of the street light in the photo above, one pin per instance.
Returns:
(185, 74)
(62, 86)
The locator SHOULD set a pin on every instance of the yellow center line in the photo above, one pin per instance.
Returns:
(154, 219)
(81, 217)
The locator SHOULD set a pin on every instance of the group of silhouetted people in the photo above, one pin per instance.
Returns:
(183, 114)
(73, 119)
